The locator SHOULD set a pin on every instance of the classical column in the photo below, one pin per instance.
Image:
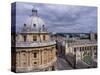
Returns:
(28, 58)
(42, 57)
(39, 57)
(19, 59)
(54, 52)
(49, 55)
(46, 56)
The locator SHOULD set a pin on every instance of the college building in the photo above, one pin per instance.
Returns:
(32, 48)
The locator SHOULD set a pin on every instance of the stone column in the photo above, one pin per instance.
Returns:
(47, 56)
(30, 63)
(42, 57)
(54, 52)
(50, 54)
(19, 58)
(28, 58)
(39, 57)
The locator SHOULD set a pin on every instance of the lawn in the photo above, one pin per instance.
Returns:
(87, 59)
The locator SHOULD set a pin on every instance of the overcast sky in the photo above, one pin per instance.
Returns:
(60, 18)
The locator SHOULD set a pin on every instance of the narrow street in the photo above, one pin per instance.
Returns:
(61, 64)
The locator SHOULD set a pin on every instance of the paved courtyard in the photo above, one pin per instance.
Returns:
(61, 64)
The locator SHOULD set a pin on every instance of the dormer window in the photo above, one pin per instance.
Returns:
(43, 26)
(34, 25)
(24, 25)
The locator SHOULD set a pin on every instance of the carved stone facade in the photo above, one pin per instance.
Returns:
(32, 49)
(35, 59)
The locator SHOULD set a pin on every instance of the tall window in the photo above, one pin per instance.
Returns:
(43, 37)
(34, 38)
(24, 38)
(35, 55)
(83, 48)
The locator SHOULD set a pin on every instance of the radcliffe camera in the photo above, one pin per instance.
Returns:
(53, 37)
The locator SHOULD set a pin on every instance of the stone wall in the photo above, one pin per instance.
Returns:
(35, 59)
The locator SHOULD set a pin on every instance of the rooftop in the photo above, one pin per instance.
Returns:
(81, 42)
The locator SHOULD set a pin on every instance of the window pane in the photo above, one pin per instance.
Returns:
(34, 38)
(35, 55)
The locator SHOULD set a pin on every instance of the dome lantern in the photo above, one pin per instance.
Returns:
(34, 12)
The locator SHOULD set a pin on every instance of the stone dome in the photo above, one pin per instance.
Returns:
(35, 22)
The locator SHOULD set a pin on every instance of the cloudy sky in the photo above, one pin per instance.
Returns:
(60, 18)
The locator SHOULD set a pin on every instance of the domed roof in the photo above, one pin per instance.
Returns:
(34, 21)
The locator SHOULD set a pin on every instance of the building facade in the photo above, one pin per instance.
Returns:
(32, 48)
(82, 50)
(80, 47)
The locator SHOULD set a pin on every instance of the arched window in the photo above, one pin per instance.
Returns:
(34, 38)
(44, 38)
(35, 55)
(75, 49)
(24, 38)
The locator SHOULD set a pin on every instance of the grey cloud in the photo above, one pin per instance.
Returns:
(61, 18)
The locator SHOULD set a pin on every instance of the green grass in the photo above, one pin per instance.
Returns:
(87, 59)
